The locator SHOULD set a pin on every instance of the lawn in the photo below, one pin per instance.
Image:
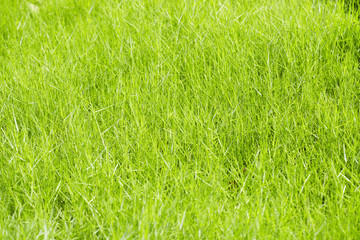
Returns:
(182, 119)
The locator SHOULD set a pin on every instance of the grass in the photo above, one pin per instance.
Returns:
(180, 119)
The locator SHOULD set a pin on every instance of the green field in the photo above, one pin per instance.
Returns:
(179, 119)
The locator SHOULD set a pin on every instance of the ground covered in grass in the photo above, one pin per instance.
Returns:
(186, 119)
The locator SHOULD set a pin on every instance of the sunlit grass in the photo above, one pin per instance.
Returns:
(161, 119)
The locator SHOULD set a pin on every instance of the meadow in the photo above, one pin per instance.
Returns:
(183, 119)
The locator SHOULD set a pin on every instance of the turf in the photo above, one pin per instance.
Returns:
(184, 119)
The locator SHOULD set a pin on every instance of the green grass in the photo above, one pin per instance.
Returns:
(136, 119)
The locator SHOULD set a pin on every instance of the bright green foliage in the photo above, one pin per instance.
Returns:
(135, 119)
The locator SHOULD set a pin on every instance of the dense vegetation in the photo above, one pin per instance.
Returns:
(184, 119)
